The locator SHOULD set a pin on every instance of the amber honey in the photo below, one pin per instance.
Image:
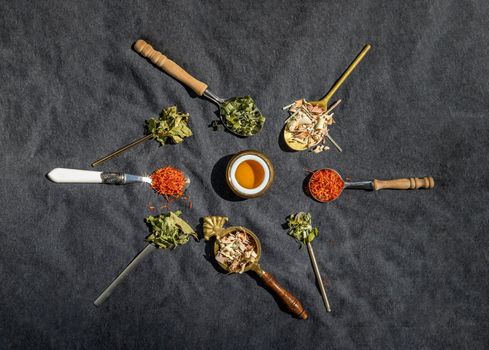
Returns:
(250, 174)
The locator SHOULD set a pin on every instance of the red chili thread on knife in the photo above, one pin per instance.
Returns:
(169, 182)
(325, 185)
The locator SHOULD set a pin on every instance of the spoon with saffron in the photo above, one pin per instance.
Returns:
(75, 176)
(325, 185)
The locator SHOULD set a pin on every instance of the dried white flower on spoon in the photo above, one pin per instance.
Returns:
(308, 124)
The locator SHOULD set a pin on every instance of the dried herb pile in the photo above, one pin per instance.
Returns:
(170, 127)
(169, 182)
(309, 123)
(300, 227)
(236, 251)
(242, 116)
(326, 185)
(166, 232)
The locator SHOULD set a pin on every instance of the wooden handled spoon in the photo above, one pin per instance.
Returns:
(177, 72)
(325, 185)
(213, 226)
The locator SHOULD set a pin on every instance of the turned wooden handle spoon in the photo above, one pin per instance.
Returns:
(334, 185)
(213, 226)
(177, 72)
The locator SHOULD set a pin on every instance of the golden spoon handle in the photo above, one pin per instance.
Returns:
(318, 277)
(345, 75)
(122, 149)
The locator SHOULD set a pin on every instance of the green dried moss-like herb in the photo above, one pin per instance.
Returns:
(168, 231)
(300, 227)
(242, 116)
(171, 126)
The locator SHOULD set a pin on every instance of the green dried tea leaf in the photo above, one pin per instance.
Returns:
(300, 227)
(242, 116)
(170, 127)
(169, 231)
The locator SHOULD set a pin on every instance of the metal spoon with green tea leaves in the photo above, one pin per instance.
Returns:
(300, 227)
(168, 231)
(170, 127)
(238, 114)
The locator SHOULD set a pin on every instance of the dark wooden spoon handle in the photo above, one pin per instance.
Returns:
(290, 301)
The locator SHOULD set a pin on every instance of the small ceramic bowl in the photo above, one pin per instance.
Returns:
(260, 189)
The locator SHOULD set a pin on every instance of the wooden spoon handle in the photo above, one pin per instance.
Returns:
(412, 183)
(170, 67)
(290, 301)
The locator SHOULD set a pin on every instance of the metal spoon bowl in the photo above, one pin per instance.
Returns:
(255, 242)
(220, 101)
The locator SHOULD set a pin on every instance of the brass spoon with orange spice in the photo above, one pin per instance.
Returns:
(325, 185)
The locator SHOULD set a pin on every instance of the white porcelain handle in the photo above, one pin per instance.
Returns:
(75, 176)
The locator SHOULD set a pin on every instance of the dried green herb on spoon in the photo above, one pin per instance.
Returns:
(170, 127)
(300, 227)
(241, 116)
(167, 231)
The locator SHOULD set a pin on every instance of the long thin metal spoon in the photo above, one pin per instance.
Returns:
(122, 149)
(110, 288)
(177, 72)
(75, 176)
(318, 277)
(137, 259)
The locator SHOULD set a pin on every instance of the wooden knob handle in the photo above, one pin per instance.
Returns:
(412, 183)
(173, 69)
(290, 301)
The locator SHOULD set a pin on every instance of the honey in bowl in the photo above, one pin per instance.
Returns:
(249, 174)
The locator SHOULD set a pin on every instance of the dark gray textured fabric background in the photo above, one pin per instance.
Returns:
(406, 269)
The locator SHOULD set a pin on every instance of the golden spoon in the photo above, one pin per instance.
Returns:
(296, 146)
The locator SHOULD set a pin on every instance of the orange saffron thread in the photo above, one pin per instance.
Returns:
(325, 185)
(169, 182)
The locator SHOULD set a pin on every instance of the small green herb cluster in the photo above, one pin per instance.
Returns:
(300, 227)
(241, 116)
(171, 126)
(167, 232)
